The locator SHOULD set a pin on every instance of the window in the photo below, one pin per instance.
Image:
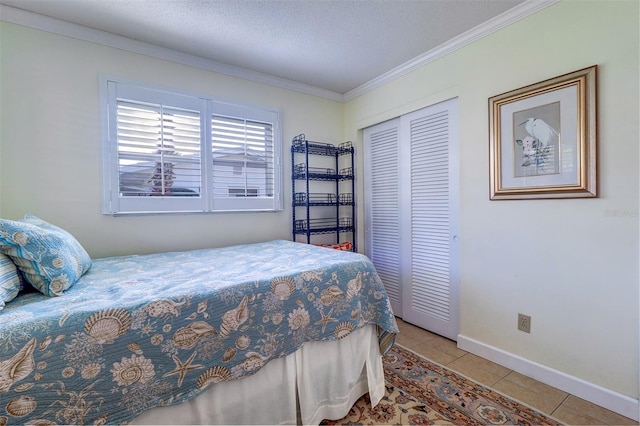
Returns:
(170, 152)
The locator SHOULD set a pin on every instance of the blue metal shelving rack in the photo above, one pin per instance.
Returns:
(342, 201)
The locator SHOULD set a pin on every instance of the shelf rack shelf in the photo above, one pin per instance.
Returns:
(338, 205)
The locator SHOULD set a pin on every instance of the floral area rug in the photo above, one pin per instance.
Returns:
(420, 392)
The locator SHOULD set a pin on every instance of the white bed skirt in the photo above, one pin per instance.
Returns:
(322, 380)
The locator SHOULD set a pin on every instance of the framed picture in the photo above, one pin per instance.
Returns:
(542, 139)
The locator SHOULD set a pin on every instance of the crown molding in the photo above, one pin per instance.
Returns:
(80, 32)
(523, 10)
(68, 29)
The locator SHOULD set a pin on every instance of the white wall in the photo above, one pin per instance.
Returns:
(50, 135)
(570, 264)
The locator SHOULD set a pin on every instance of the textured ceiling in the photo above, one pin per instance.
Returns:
(336, 45)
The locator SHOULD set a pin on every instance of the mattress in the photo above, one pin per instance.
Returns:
(138, 332)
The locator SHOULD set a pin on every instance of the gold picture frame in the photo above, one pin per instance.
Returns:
(542, 139)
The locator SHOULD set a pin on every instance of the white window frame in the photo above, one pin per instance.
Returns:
(114, 203)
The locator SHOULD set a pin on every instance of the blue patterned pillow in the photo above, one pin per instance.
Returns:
(10, 280)
(50, 259)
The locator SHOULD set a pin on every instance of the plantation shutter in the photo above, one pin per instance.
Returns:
(158, 150)
(165, 151)
(383, 216)
(243, 158)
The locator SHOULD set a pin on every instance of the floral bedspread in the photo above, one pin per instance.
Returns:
(140, 331)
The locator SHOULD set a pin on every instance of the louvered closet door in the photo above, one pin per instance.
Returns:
(431, 301)
(412, 210)
(382, 195)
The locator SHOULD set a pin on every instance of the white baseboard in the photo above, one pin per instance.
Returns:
(591, 392)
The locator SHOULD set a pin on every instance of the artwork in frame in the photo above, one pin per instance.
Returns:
(542, 139)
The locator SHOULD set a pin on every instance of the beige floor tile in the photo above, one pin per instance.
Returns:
(410, 336)
(478, 369)
(540, 401)
(536, 386)
(592, 410)
(406, 340)
(476, 362)
(572, 417)
(433, 354)
(415, 331)
(447, 346)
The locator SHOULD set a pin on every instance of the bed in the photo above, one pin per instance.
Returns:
(274, 333)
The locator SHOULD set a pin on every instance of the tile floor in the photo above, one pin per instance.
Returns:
(564, 407)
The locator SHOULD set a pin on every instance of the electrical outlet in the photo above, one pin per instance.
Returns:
(524, 323)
